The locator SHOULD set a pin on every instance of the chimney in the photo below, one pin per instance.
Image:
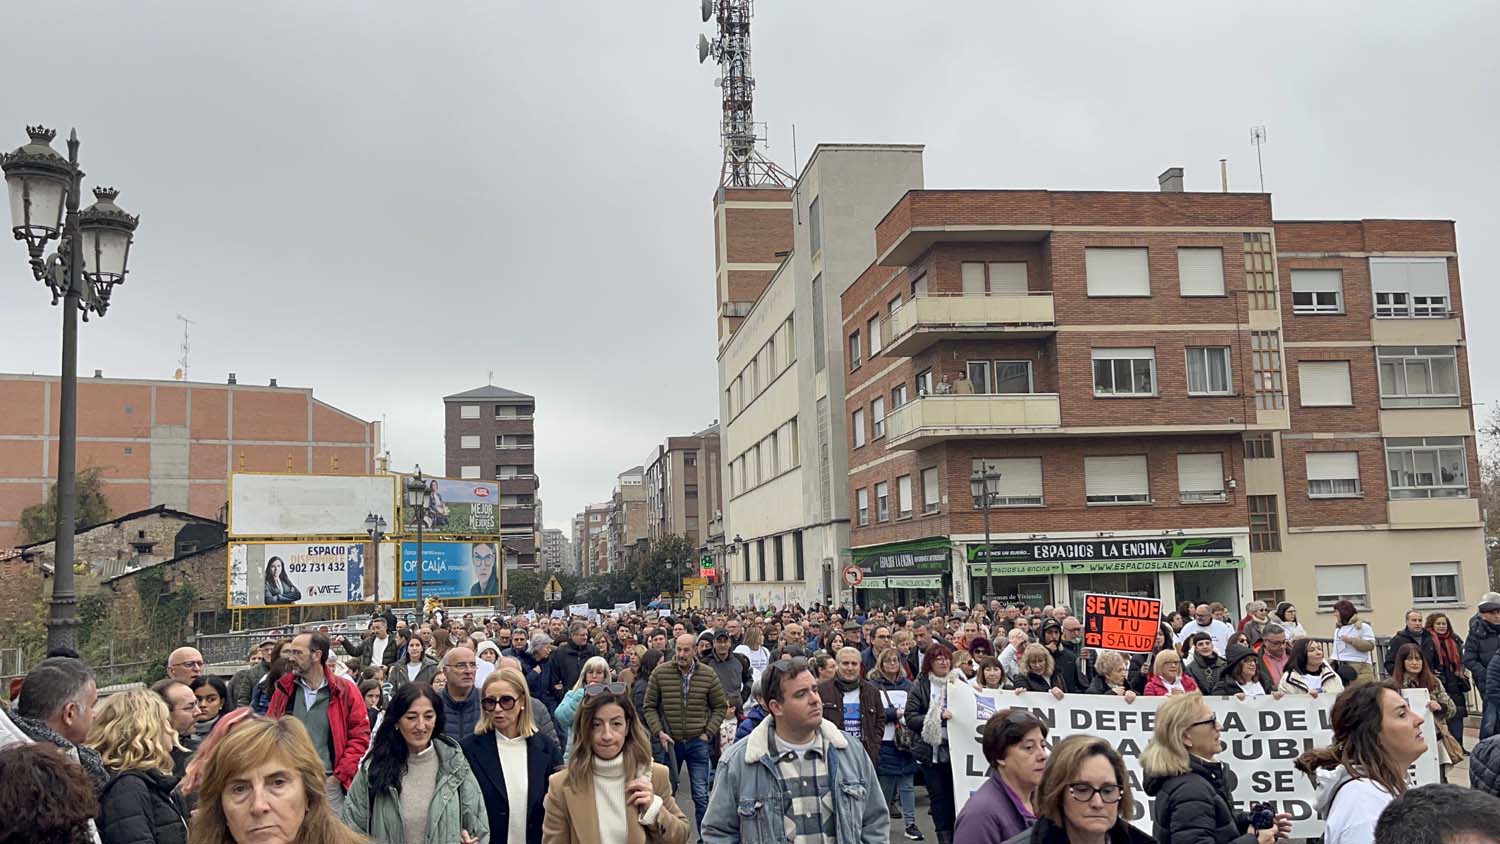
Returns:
(1170, 180)
(232, 379)
(273, 382)
(98, 373)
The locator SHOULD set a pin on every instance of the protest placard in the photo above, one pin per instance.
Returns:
(1120, 622)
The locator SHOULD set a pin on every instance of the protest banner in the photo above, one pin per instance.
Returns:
(1120, 622)
(1262, 737)
(580, 610)
(451, 570)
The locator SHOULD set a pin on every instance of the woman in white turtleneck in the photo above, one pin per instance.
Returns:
(611, 792)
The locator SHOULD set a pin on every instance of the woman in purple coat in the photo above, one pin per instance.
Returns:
(1014, 744)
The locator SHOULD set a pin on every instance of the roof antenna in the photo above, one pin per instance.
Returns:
(182, 362)
(1258, 137)
(492, 378)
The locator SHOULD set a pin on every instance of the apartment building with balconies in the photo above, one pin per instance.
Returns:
(490, 434)
(1181, 398)
(683, 489)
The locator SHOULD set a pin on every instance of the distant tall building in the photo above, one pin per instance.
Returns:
(628, 517)
(489, 434)
(683, 490)
(579, 543)
(554, 549)
(594, 558)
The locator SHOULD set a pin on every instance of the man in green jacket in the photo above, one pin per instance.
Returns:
(685, 704)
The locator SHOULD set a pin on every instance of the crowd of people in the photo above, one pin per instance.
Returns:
(465, 729)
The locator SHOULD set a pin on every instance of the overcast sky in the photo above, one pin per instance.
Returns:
(385, 201)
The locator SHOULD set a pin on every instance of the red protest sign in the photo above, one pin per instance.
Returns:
(1120, 622)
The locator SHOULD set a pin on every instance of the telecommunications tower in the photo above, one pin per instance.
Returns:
(744, 164)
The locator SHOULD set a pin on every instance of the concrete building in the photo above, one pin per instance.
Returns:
(1182, 396)
(594, 557)
(682, 483)
(489, 433)
(577, 547)
(780, 381)
(555, 550)
(172, 443)
(628, 520)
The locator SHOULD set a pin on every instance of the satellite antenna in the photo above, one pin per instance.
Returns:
(1257, 138)
(182, 362)
(744, 163)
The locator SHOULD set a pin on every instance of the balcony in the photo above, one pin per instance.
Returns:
(931, 419)
(1418, 513)
(929, 319)
(1416, 331)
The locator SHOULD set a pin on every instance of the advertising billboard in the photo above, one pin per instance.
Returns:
(451, 570)
(281, 574)
(457, 508)
(308, 505)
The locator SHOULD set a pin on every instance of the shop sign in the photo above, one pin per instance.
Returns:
(872, 583)
(926, 557)
(1143, 548)
(1109, 566)
(914, 583)
(1013, 569)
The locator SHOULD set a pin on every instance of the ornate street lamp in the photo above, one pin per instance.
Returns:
(416, 501)
(92, 251)
(984, 484)
(375, 526)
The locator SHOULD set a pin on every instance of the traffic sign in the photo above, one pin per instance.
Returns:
(553, 591)
(694, 582)
(853, 575)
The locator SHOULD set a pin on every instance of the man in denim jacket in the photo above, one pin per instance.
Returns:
(796, 778)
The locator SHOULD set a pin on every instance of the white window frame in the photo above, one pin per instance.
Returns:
(900, 395)
(873, 329)
(857, 422)
(903, 497)
(1328, 476)
(1402, 291)
(1021, 482)
(1437, 595)
(1394, 365)
(1105, 494)
(1407, 465)
(1208, 490)
(1134, 356)
(895, 304)
(862, 505)
(1317, 291)
(924, 383)
(468, 411)
(883, 501)
(468, 441)
(854, 351)
(1224, 366)
(1200, 271)
(1345, 572)
(995, 377)
(469, 473)
(877, 416)
(1116, 272)
(982, 369)
(931, 493)
(1317, 398)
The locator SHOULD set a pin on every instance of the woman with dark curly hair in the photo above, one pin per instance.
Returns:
(45, 797)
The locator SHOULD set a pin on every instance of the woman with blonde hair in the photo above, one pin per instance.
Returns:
(596, 671)
(510, 759)
(1038, 673)
(1167, 677)
(1083, 797)
(754, 649)
(611, 792)
(133, 733)
(264, 784)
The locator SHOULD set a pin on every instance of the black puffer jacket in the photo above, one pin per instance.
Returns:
(1194, 808)
(1484, 766)
(138, 807)
(1422, 639)
(1483, 644)
(1228, 685)
(1205, 674)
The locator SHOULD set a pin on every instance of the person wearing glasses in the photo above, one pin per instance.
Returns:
(611, 792)
(415, 786)
(1015, 745)
(797, 777)
(595, 672)
(1083, 797)
(510, 759)
(1193, 804)
(182, 713)
(185, 665)
(928, 711)
(460, 701)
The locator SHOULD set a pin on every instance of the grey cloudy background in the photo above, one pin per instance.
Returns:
(385, 201)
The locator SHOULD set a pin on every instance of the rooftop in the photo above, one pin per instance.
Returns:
(490, 392)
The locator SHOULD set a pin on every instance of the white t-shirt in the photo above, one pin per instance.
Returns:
(377, 651)
(413, 669)
(759, 659)
(1314, 682)
(1345, 652)
(1356, 808)
(1217, 630)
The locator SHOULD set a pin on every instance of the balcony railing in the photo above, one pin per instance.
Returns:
(929, 419)
(928, 319)
(510, 447)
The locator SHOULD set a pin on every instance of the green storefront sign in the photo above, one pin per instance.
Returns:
(1012, 569)
(1103, 566)
(924, 556)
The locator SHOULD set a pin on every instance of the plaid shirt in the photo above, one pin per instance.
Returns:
(808, 793)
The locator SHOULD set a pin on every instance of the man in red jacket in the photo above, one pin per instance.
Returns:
(331, 708)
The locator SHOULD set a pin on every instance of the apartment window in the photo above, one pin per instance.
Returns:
(1427, 467)
(1265, 523)
(791, 341)
(800, 572)
(793, 454)
(1265, 362)
(1020, 483)
(773, 455)
(854, 349)
(930, 493)
(873, 330)
(468, 411)
(1260, 447)
(1410, 287)
(919, 286)
(780, 558)
(877, 416)
(857, 422)
(924, 382)
(1200, 477)
(469, 473)
(1317, 291)
(1013, 377)
(753, 462)
(815, 228)
(1117, 272)
(768, 357)
(1208, 371)
(972, 276)
(820, 354)
(997, 278)
(1124, 372)
(1418, 376)
(751, 382)
(689, 490)
(978, 373)
(505, 471)
(862, 505)
(760, 557)
(898, 396)
(505, 411)
(882, 502)
(1333, 474)
(1341, 583)
(468, 441)
(1116, 479)
(903, 497)
(1260, 279)
(690, 458)
(1435, 584)
(1200, 272)
(1324, 383)
(895, 304)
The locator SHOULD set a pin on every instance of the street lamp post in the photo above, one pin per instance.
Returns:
(985, 485)
(416, 499)
(92, 251)
(375, 526)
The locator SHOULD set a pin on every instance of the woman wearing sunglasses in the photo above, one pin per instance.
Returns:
(1083, 797)
(611, 791)
(1192, 800)
(510, 759)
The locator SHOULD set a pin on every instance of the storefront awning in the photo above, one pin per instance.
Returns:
(1103, 566)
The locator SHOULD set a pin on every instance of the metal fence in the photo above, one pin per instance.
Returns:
(1382, 647)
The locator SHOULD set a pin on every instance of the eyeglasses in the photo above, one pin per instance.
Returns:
(1083, 792)
(197, 663)
(1212, 719)
(505, 702)
(596, 689)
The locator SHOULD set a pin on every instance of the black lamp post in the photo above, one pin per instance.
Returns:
(416, 501)
(985, 485)
(375, 526)
(92, 250)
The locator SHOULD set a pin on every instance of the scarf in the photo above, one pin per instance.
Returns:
(932, 722)
(845, 686)
(1447, 650)
(87, 756)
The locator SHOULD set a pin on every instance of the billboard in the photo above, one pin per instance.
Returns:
(308, 505)
(281, 574)
(457, 508)
(451, 570)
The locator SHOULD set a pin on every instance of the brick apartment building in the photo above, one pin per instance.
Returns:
(555, 549)
(629, 516)
(594, 553)
(1183, 397)
(683, 486)
(489, 433)
(171, 443)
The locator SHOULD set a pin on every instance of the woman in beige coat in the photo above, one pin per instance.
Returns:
(611, 792)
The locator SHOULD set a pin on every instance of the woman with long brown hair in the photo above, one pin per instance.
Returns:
(1410, 671)
(611, 792)
(1445, 656)
(928, 711)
